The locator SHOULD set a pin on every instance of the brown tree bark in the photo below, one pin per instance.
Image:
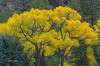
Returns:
(63, 56)
(62, 60)
(42, 59)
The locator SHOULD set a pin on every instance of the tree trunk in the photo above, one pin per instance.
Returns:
(62, 60)
(37, 59)
(37, 56)
(42, 59)
(92, 21)
(63, 56)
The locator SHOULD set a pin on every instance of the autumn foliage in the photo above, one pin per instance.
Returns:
(49, 31)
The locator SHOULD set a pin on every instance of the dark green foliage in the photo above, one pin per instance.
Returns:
(56, 3)
(11, 52)
(74, 4)
(41, 4)
(5, 14)
(24, 5)
(52, 61)
(79, 55)
(97, 53)
(88, 10)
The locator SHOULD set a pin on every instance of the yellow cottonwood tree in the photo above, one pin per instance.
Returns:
(47, 30)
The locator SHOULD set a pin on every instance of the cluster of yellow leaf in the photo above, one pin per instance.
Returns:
(90, 56)
(62, 13)
(59, 42)
(76, 29)
(59, 28)
(97, 26)
(2, 28)
(66, 64)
